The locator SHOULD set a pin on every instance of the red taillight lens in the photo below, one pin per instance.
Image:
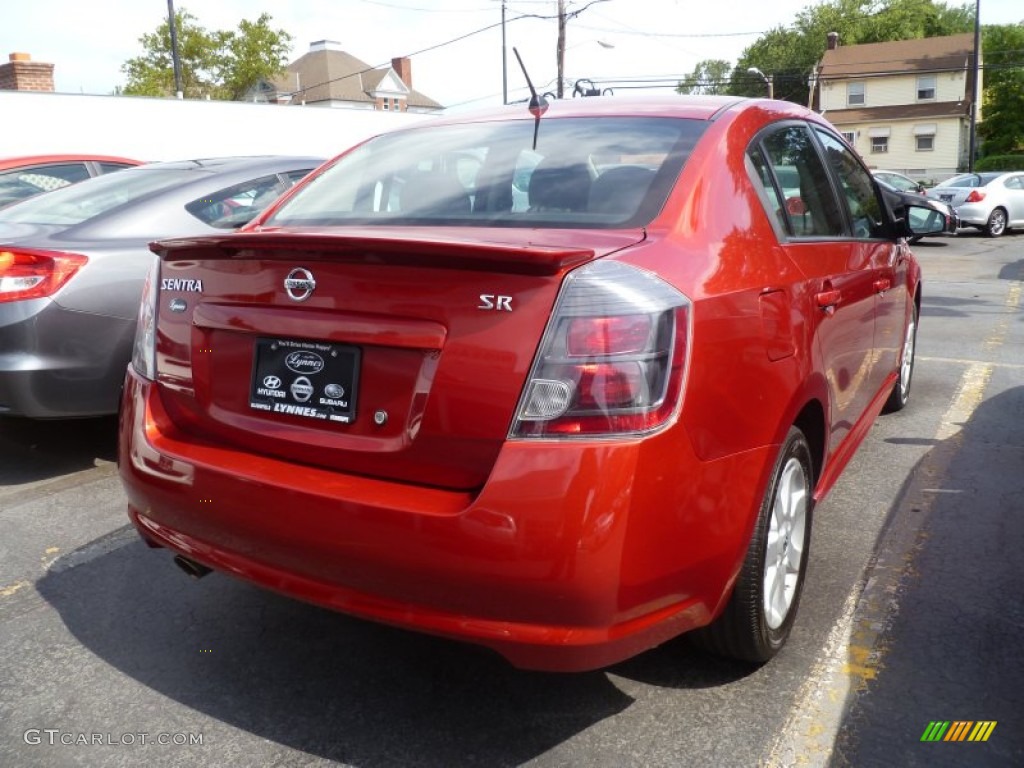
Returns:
(975, 196)
(26, 274)
(613, 358)
(608, 335)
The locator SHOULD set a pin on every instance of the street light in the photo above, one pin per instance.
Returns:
(766, 78)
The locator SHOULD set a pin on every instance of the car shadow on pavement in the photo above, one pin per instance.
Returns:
(951, 611)
(33, 450)
(317, 681)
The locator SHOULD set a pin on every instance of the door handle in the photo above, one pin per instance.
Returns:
(882, 285)
(827, 300)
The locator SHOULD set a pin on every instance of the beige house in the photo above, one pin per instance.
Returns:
(327, 76)
(905, 105)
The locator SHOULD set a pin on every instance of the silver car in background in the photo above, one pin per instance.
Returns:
(73, 262)
(992, 201)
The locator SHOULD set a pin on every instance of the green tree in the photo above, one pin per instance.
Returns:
(790, 54)
(221, 64)
(1002, 125)
(255, 52)
(710, 76)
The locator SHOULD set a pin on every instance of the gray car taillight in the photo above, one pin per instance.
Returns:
(144, 349)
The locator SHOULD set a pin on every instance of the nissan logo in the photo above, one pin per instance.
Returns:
(304, 362)
(301, 389)
(299, 284)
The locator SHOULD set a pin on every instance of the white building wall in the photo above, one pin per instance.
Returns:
(169, 129)
(903, 155)
(894, 91)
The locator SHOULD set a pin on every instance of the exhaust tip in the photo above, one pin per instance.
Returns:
(191, 567)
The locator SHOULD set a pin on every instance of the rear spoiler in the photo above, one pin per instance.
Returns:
(414, 247)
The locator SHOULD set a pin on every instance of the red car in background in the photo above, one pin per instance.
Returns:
(565, 383)
(24, 177)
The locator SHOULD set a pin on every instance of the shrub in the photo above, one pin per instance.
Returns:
(1000, 163)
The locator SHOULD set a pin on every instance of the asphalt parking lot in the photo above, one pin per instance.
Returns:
(912, 613)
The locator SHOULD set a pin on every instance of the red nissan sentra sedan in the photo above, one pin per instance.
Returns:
(564, 386)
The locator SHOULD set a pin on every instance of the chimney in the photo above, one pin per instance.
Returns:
(20, 73)
(403, 67)
(833, 40)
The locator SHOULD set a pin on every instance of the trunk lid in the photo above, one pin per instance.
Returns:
(398, 354)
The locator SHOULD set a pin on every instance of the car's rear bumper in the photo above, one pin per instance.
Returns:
(57, 363)
(573, 556)
(972, 215)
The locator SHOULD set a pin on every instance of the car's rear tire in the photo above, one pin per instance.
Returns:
(996, 224)
(761, 611)
(900, 394)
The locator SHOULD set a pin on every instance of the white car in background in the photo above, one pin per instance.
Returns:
(992, 201)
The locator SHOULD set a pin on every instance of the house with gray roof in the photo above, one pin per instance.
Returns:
(327, 76)
(903, 105)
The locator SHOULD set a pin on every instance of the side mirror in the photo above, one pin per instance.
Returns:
(922, 220)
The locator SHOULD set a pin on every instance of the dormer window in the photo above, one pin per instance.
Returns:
(926, 85)
(855, 94)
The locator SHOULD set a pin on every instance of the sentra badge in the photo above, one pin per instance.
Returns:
(299, 284)
(304, 362)
(181, 284)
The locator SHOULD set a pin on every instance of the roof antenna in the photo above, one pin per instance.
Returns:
(538, 104)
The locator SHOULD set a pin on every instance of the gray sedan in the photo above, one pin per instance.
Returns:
(992, 201)
(73, 262)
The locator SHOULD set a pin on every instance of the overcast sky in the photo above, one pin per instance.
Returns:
(89, 40)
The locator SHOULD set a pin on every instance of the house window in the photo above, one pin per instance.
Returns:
(386, 105)
(926, 88)
(850, 137)
(855, 94)
(925, 143)
(879, 144)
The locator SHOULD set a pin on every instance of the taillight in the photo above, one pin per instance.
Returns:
(975, 196)
(31, 274)
(144, 349)
(612, 358)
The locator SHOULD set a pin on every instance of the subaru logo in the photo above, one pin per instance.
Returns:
(302, 389)
(271, 382)
(299, 284)
(334, 391)
(304, 362)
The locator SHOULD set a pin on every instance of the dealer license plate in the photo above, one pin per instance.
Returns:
(310, 379)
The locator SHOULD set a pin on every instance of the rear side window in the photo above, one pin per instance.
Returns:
(594, 172)
(43, 178)
(107, 167)
(233, 206)
(809, 206)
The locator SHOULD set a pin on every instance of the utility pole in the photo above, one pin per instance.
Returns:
(174, 49)
(561, 47)
(974, 86)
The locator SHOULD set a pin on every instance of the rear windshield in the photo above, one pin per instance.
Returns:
(598, 172)
(969, 180)
(80, 202)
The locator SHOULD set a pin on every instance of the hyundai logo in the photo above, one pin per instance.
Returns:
(271, 382)
(304, 362)
(299, 284)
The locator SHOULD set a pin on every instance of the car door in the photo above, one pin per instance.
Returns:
(1015, 199)
(838, 288)
(883, 257)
